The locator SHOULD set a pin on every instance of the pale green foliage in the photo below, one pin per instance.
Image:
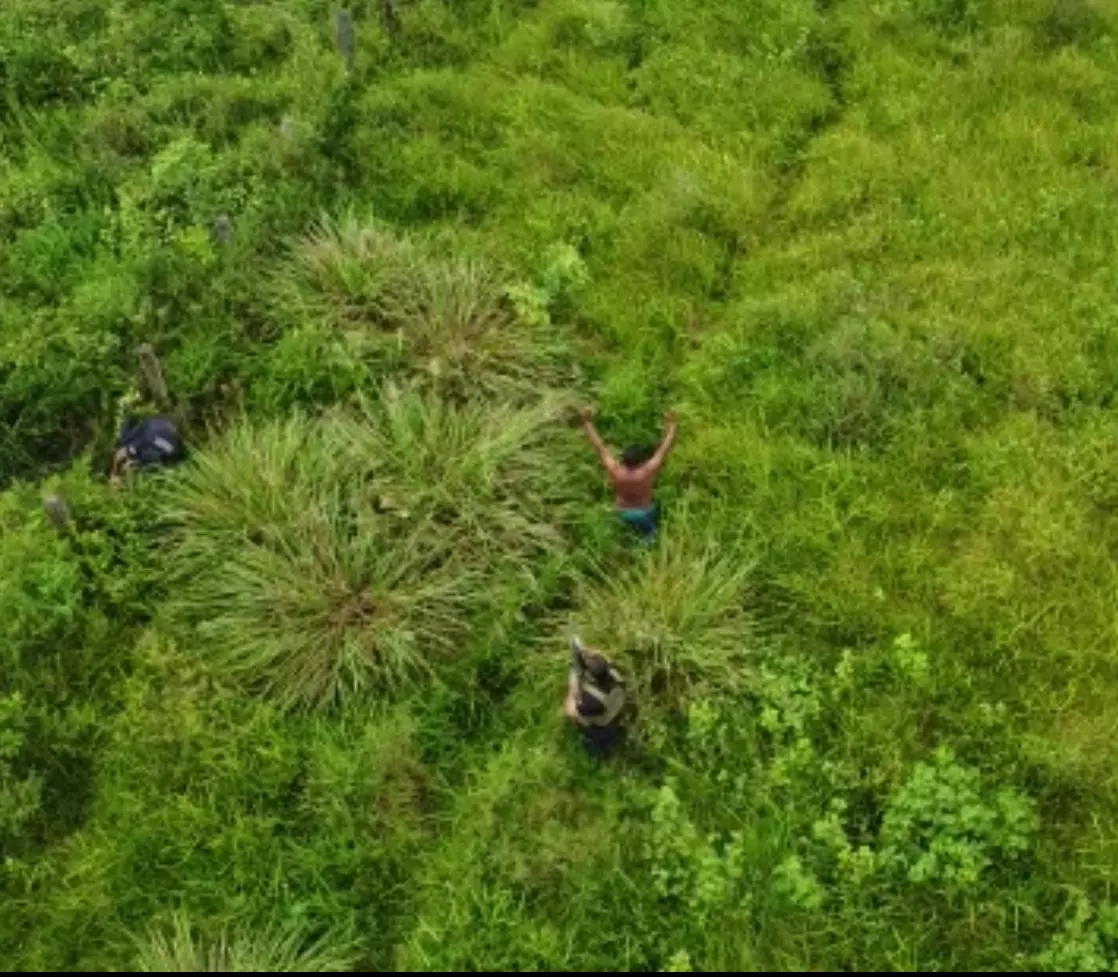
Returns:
(854, 865)
(564, 272)
(910, 660)
(319, 558)
(447, 318)
(700, 873)
(680, 963)
(180, 948)
(529, 302)
(1088, 941)
(944, 828)
(796, 883)
(160, 203)
(677, 615)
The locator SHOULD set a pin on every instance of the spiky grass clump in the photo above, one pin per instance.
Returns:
(292, 585)
(345, 273)
(319, 558)
(676, 621)
(180, 948)
(444, 319)
(496, 475)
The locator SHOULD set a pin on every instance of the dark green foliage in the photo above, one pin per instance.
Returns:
(72, 596)
(1063, 23)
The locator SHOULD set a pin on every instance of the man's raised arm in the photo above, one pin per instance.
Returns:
(653, 464)
(585, 416)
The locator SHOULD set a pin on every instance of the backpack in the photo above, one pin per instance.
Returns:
(612, 701)
(152, 441)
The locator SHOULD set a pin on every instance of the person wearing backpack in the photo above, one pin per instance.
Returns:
(595, 699)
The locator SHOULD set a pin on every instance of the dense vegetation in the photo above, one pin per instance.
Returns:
(295, 704)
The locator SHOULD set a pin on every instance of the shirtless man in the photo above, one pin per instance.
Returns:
(633, 475)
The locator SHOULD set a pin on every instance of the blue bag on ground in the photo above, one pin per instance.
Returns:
(151, 441)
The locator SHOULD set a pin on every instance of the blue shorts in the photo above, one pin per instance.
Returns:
(642, 521)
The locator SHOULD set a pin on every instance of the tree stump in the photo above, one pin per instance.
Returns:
(152, 373)
(222, 230)
(344, 35)
(57, 511)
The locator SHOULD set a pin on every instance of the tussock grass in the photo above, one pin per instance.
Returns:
(444, 319)
(319, 558)
(495, 474)
(181, 948)
(676, 620)
(291, 585)
(343, 270)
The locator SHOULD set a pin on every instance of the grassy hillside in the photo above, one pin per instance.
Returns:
(295, 704)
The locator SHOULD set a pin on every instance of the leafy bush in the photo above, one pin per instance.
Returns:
(564, 273)
(71, 596)
(20, 793)
(1088, 942)
(942, 828)
(309, 366)
(795, 883)
(699, 873)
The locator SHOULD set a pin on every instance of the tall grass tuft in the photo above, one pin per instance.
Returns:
(180, 948)
(676, 619)
(344, 271)
(497, 475)
(445, 320)
(348, 554)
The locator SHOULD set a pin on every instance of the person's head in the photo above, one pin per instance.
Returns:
(596, 665)
(635, 455)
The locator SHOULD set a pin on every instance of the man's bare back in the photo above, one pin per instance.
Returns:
(633, 476)
(632, 489)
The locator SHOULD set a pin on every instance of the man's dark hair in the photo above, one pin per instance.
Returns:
(599, 670)
(636, 455)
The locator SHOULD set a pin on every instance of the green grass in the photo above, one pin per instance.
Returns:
(308, 684)
(677, 619)
(182, 951)
(443, 318)
(347, 554)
